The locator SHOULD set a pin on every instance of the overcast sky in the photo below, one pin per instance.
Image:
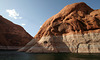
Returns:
(31, 14)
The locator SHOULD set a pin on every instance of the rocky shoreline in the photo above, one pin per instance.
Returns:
(10, 48)
(75, 43)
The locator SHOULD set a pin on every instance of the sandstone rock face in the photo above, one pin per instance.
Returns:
(76, 29)
(12, 36)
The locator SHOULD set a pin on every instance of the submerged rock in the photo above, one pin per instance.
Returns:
(76, 29)
(12, 36)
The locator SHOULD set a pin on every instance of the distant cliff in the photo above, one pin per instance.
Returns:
(76, 29)
(12, 36)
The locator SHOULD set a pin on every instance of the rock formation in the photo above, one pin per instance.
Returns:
(12, 36)
(76, 29)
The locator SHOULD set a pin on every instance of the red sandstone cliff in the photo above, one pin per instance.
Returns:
(12, 36)
(76, 28)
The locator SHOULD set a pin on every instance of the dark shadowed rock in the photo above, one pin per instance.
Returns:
(76, 28)
(12, 36)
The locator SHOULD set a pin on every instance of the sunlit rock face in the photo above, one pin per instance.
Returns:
(12, 36)
(76, 29)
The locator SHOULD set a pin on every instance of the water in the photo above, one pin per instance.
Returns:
(13, 55)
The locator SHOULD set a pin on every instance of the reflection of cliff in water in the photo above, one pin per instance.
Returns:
(13, 55)
(69, 56)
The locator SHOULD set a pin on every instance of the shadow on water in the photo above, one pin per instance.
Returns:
(13, 55)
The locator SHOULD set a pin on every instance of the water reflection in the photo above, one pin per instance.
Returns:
(13, 55)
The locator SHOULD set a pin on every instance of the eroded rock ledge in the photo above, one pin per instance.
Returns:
(75, 43)
(76, 29)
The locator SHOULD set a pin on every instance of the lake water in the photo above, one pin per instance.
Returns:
(13, 55)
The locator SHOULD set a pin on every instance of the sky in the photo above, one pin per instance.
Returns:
(31, 14)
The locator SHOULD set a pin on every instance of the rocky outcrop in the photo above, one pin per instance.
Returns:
(12, 36)
(76, 29)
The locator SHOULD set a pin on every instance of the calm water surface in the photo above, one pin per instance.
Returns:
(13, 55)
